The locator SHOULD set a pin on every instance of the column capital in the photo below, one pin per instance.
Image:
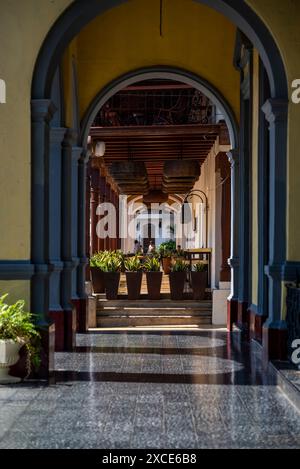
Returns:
(57, 135)
(70, 138)
(85, 156)
(233, 157)
(275, 110)
(77, 153)
(42, 110)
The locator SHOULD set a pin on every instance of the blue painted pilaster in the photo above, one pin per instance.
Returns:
(42, 111)
(54, 208)
(234, 260)
(82, 175)
(276, 111)
(70, 157)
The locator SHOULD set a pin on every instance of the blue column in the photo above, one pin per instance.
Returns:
(82, 175)
(276, 111)
(70, 157)
(234, 260)
(54, 207)
(42, 111)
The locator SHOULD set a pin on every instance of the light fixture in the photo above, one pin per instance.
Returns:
(100, 149)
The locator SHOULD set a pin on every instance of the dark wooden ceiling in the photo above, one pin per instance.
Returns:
(156, 144)
(155, 121)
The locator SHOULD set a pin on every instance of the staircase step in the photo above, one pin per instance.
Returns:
(151, 321)
(161, 304)
(116, 311)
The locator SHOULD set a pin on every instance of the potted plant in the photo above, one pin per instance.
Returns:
(111, 272)
(134, 276)
(16, 331)
(177, 279)
(166, 251)
(153, 277)
(96, 267)
(199, 280)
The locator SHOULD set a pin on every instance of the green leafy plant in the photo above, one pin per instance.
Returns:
(17, 325)
(200, 267)
(179, 266)
(111, 263)
(108, 261)
(152, 264)
(132, 264)
(99, 258)
(167, 249)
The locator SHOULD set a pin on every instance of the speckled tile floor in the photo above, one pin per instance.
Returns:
(199, 389)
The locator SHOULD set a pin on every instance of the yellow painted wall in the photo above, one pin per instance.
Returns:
(23, 27)
(195, 38)
(69, 57)
(283, 18)
(255, 123)
(16, 289)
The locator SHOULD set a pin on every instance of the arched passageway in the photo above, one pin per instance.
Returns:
(60, 265)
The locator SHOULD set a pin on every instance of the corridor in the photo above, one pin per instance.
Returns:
(195, 389)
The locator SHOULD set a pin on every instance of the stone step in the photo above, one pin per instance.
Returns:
(152, 321)
(160, 304)
(153, 312)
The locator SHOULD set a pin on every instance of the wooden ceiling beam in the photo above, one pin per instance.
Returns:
(153, 130)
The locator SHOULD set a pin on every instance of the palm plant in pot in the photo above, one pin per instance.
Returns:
(166, 250)
(199, 280)
(96, 267)
(134, 276)
(16, 331)
(153, 277)
(111, 267)
(177, 279)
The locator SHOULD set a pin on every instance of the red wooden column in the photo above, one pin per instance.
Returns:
(88, 218)
(113, 201)
(93, 209)
(101, 199)
(118, 240)
(108, 243)
(223, 165)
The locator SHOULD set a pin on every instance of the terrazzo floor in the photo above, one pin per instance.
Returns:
(171, 390)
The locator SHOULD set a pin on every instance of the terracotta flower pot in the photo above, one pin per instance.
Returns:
(166, 264)
(154, 280)
(177, 281)
(199, 282)
(97, 280)
(111, 281)
(134, 283)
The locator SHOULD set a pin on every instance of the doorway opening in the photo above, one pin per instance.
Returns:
(180, 206)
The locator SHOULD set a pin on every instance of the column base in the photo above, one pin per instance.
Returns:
(81, 315)
(232, 313)
(256, 325)
(243, 319)
(58, 318)
(220, 298)
(70, 324)
(275, 343)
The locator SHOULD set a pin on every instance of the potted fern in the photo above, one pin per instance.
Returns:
(177, 279)
(199, 280)
(134, 277)
(111, 267)
(153, 277)
(16, 331)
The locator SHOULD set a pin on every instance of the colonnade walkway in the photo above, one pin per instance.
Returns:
(151, 389)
